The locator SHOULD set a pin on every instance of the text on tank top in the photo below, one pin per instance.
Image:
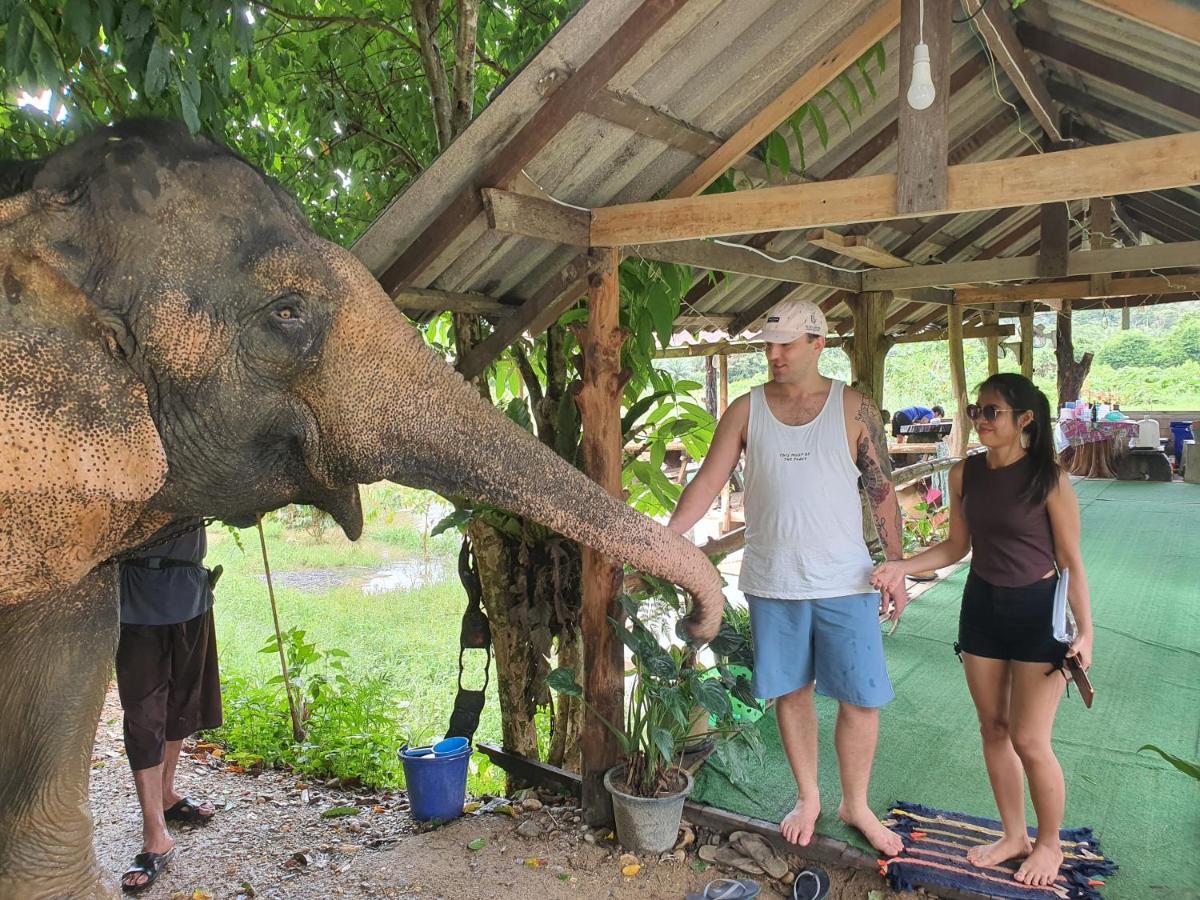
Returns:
(1011, 540)
(804, 523)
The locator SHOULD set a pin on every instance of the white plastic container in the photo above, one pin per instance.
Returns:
(1148, 434)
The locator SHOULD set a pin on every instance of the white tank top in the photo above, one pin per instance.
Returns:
(804, 521)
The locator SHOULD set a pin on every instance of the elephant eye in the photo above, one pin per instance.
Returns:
(287, 311)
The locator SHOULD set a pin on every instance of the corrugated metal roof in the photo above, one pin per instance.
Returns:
(714, 65)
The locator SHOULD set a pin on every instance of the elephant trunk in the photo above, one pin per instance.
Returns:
(422, 424)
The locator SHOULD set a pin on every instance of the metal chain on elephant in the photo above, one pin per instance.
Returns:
(164, 538)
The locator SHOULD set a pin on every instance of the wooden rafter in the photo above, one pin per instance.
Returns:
(1075, 289)
(871, 29)
(856, 246)
(1131, 166)
(923, 135)
(410, 299)
(1173, 18)
(1126, 119)
(994, 21)
(1016, 268)
(1169, 93)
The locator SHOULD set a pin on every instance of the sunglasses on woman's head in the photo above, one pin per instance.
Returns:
(987, 413)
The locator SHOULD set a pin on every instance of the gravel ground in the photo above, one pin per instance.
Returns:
(269, 840)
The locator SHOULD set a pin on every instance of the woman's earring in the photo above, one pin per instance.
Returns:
(1024, 440)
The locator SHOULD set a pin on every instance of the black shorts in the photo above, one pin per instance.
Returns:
(169, 686)
(1014, 623)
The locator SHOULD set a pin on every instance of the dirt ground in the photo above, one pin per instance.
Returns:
(269, 840)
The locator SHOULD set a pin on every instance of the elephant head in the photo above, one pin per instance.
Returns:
(275, 369)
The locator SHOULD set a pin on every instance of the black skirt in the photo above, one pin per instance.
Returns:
(1014, 623)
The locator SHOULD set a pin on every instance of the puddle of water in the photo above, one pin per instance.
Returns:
(397, 575)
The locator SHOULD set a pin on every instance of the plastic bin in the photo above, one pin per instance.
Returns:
(1180, 432)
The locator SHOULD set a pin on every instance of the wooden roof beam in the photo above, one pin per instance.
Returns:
(1078, 289)
(856, 246)
(923, 143)
(1175, 19)
(994, 21)
(1168, 93)
(1185, 254)
(421, 300)
(1128, 167)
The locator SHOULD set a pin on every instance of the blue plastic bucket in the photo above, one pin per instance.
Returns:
(437, 785)
(1180, 431)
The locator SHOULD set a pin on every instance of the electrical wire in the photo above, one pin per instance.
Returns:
(978, 10)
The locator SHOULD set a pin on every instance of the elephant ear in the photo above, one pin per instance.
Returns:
(79, 453)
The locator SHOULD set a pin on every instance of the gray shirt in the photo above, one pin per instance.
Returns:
(172, 594)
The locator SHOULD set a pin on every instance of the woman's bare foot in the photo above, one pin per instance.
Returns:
(797, 826)
(1008, 847)
(1041, 868)
(877, 834)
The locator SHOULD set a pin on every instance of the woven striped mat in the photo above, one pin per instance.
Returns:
(935, 855)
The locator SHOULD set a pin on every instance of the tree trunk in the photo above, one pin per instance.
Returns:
(992, 344)
(710, 386)
(1072, 373)
(1027, 341)
(869, 350)
(958, 383)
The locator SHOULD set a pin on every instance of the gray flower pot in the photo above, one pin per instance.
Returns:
(646, 824)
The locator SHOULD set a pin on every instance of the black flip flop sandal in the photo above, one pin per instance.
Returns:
(188, 812)
(810, 884)
(149, 864)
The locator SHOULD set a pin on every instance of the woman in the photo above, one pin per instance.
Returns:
(1017, 509)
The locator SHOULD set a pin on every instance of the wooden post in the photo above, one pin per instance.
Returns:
(726, 492)
(958, 383)
(599, 399)
(1100, 225)
(1056, 245)
(870, 347)
(992, 343)
(923, 138)
(1125, 318)
(1027, 340)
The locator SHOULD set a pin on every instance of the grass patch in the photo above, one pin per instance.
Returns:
(401, 671)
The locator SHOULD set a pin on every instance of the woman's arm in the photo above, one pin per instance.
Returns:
(951, 550)
(1063, 507)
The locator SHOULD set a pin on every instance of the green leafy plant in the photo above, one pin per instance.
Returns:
(666, 689)
(310, 668)
(1190, 769)
(925, 526)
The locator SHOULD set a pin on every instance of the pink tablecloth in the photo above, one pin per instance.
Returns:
(1080, 431)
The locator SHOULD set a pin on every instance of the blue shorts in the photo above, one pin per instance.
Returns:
(835, 641)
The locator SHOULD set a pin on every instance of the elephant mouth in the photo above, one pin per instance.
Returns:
(343, 504)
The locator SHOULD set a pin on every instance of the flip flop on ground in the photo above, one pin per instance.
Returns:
(190, 812)
(810, 884)
(145, 863)
(728, 889)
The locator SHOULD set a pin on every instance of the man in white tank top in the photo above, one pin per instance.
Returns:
(808, 442)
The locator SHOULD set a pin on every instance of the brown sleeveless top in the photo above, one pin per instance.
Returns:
(1012, 544)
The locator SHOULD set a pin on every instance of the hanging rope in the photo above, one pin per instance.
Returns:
(298, 734)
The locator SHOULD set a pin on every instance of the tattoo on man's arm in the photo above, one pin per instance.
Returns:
(869, 415)
(876, 482)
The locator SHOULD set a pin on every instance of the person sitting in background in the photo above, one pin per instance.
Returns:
(910, 415)
(938, 413)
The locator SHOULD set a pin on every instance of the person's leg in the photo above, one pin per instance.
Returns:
(797, 716)
(143, 676)
(989, 681)
(194, 699)
(850, 667)
(856, 735)
(783, 670)
(1035, 699)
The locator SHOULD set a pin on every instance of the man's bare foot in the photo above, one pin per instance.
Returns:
(1008, 847)
(1042, 865)
(160, 846)
(877, 834)
(797, 826)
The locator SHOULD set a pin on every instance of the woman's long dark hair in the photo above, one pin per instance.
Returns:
(1023, 394)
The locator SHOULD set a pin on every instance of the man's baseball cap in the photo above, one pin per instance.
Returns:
(788, 320)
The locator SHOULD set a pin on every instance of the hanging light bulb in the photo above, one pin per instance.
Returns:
(920, 89)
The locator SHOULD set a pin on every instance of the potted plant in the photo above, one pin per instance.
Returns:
(649, 787)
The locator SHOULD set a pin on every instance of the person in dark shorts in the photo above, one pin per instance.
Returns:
(1017, 510)
(167, 679)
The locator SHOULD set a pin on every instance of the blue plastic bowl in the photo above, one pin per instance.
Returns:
(451, 746)
(415, 752)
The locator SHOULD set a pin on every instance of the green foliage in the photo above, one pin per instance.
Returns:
(330, 99)
(1182, 344)
(310, 669)
(925, 526)
(666, 691)
(1192, 770)
(1127, 348)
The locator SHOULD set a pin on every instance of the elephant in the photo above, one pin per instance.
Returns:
(176, 340)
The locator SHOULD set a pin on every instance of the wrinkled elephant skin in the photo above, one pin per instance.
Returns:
(176, 341)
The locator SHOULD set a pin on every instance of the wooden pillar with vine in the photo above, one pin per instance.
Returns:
(599, 399)
(869, 349)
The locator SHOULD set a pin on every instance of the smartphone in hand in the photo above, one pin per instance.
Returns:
(1082, 682)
